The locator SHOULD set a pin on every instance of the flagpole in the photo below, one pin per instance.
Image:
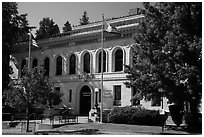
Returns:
(101, 117)
(29, 45)
(29, 51)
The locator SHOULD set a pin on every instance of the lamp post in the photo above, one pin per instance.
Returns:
(162, 91)
(29, 45)
(97, 110)
(96, 97)
(162, 112)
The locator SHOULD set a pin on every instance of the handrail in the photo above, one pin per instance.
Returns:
(34, 115)
(67, 110)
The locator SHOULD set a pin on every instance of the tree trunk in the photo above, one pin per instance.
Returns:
(194, 124)
(176, 111)
(27, 113)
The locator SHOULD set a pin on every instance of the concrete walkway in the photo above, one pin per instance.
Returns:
(84, 127)
(98, 128)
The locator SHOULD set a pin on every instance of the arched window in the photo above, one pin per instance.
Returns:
(59, 66)
(104, 62)
(23, 65)
(87, 63)
(119, 60)
(46, 66)
(72, 64)
(35, 64)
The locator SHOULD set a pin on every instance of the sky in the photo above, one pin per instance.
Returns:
(61, 12)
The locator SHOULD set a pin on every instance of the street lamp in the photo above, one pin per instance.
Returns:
(97, 110)
(162, 112)
(96, 97)
(162, 96)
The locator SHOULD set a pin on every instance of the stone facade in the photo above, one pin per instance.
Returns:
(80, 88)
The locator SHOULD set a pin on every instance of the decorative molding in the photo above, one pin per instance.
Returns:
(86, 76)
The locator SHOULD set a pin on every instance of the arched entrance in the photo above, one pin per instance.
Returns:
(85, 100)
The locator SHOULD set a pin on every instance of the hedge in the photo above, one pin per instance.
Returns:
(137, 116)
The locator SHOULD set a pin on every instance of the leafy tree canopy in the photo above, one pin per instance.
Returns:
(85, 19)
(14, 28)
(168, 52)
(47, 28)
(67, 27)
(33, 89)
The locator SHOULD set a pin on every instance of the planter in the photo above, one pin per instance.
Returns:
(177, 113)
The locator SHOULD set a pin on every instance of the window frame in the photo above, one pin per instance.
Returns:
(59, 66)
(23, 64)
(87, 62)
(118, 60)
(46, 66)
(104, 61)
(70, 95)
(117, 98)
(72, 64)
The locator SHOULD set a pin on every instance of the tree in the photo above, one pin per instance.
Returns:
(47, 28)
(67, 27)
(168, 55)
(32, 90)
(85, 19)
(13, 27)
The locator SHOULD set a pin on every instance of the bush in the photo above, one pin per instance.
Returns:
(194, 123)
(137, 116)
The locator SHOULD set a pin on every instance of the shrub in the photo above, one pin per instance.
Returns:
(137, 116)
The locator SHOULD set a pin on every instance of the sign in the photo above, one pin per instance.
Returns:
(107, 94)
(86, 94)
(162, 112)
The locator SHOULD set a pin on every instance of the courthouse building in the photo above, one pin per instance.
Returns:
(73, 63)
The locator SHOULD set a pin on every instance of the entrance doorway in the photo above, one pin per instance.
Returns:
(85, 100)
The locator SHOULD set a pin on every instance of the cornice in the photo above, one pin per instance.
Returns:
(110, 21)
(89, 36)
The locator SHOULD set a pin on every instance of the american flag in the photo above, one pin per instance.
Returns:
(33, 41)
(110, 29)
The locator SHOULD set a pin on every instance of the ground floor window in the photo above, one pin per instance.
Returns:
(99, 99)
(156, 101)
(117, 95)
(70, 95)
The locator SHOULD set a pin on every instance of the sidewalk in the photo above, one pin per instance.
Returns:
(111, 128)
(98, 128)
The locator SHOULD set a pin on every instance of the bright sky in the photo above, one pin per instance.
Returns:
(61, 12)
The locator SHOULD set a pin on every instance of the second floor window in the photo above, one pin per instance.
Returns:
(119, 60)
(70, 95)
(59, 66)
(87, 62)
(35, 64)
(23, 65)
(104, 62)
(72, 64)
(46, 66)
